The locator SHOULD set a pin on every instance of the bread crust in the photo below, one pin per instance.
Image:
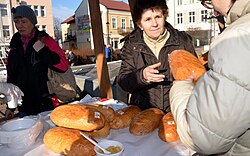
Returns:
(77, 116)
(101, 133)
(167, 128)
(185, 66)
(68, 142)
(146, 121)
(107, 111)
(123, 117)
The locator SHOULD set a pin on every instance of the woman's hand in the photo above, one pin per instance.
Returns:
(151, 74)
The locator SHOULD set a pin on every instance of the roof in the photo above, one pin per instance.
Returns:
(115, 5)
(69, 20)
(110, 4)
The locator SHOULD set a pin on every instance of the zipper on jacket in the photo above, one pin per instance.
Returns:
(162, 97)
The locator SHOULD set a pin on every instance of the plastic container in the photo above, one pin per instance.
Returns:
(20, 133)
(108, 143)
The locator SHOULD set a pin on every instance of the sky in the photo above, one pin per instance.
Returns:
(66, 8)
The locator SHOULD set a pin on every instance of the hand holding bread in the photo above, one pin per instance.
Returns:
(185, 66)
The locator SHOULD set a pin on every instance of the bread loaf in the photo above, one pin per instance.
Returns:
(101, 133)
(77, 116)
(146, 121)
(167, 128)
(68, 142)
(107, 111)
(185, 65)
(123, 117)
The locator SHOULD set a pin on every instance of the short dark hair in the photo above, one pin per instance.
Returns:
(142, 5)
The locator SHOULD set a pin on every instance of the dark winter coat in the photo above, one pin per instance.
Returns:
(136, 56)
(28, 70)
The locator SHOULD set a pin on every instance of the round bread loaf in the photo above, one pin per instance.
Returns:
(123, 117)
(68, 142)
(146, 121)
(167, 128)
(77, 116)
(185, 65)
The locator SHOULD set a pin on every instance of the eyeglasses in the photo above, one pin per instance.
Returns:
(207, 4)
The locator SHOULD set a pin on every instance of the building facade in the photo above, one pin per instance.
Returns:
(116, 23)
(184, 15)
(42, 9)
(195, 19)
(6, 26)
(69, 33)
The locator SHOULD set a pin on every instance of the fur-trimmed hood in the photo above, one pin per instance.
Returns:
(239, 9)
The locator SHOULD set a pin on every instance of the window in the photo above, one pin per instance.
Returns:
(36, 10)
(114, 22)
(44, 27)
(6, 30)
(179, 2)
(131, 24)
(191, 17)
(70, 32)
(179, 18)
(204, 15)
(42, 11)
(191, 1)
(123, 24)
(115, 42)
(3, 8)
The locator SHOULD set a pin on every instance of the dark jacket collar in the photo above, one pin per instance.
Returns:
(16, 39)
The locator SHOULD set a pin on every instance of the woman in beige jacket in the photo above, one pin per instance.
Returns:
(213, 117)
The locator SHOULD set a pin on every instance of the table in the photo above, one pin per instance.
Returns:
(147, 145)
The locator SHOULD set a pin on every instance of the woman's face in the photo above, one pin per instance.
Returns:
(152, 23)
(23, 25)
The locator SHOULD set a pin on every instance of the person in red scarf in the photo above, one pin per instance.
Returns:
(32, 52)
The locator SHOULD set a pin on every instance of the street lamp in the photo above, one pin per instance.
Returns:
(108, 32)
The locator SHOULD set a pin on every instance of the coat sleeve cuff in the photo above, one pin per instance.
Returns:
(179, 96)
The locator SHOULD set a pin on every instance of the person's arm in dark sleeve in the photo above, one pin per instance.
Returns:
(51, 53)
(130, 78)
(11, 68)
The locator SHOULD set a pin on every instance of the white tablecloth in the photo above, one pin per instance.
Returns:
(149, 145)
